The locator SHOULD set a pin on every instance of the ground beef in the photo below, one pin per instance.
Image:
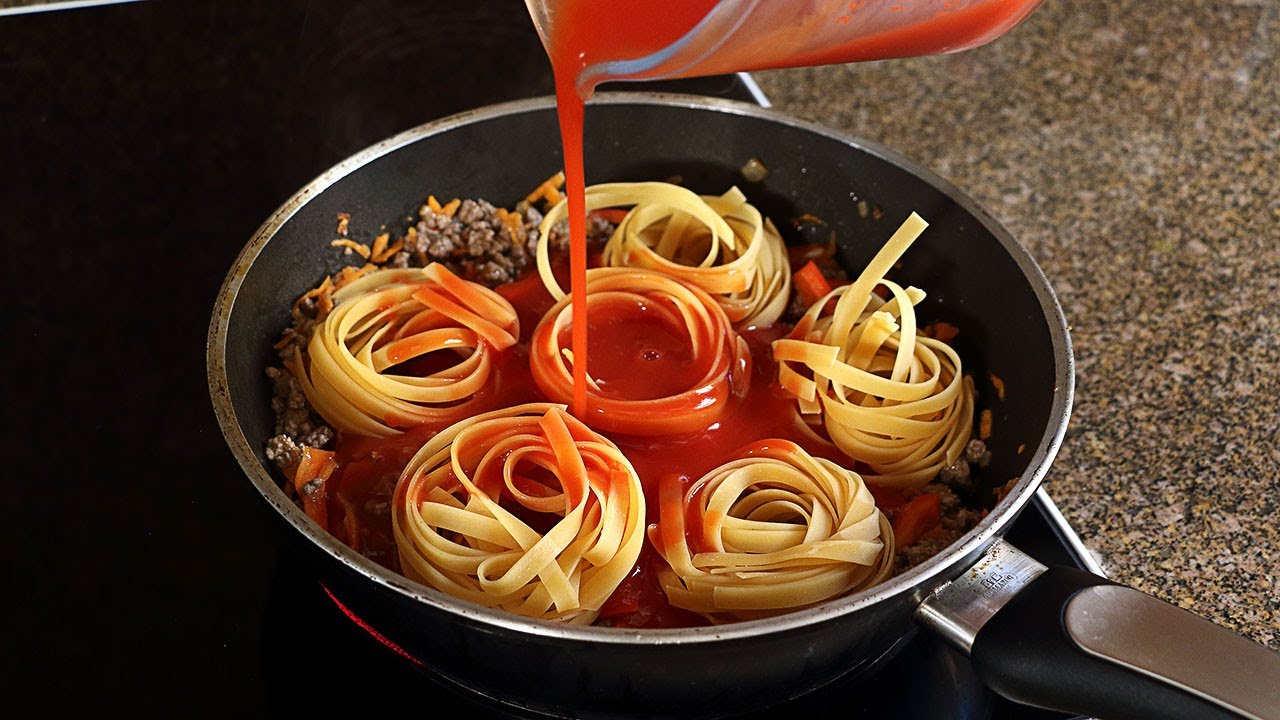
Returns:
(474, 243)
(958, 475)
(283, 451)
(976, 453)
(297, 425)
(909, 557)
(598, 232)
(956, 521)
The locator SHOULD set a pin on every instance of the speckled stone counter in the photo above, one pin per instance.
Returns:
(1132, 147)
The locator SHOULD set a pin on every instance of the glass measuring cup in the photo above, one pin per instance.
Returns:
(686, 38)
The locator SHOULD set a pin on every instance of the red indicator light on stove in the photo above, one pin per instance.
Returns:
(359, 621)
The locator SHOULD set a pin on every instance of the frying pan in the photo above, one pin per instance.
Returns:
(1055, 637)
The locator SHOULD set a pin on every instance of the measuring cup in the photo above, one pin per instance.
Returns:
(686, 38)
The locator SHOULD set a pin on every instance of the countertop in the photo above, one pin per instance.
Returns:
(1131, 146)
(1134, 148)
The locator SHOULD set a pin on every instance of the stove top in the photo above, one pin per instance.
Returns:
(928, 680)
(144, 142)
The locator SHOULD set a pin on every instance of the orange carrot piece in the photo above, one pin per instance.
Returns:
(811, 284)
(942, 331)
(314, 469)
(998, 384)
(379, 245)
(916, 519)
(360, 248)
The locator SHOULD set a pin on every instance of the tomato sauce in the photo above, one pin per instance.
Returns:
(637, 349)
(640, 355)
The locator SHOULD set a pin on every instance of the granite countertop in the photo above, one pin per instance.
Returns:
(1132, 147)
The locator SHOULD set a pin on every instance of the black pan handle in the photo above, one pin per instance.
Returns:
(1069, 640)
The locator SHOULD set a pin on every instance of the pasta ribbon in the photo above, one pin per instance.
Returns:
(721, 244)
(525, 509)
(388, 317)
(888, 396)
(774, 530)
(721, 360)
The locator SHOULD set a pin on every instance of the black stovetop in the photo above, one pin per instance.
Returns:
(143, 143)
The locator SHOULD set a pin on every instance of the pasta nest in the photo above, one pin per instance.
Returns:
(774, 530)
(720, 356)
(887, 395)
(525, 509)
(388, 317)
(721, 244)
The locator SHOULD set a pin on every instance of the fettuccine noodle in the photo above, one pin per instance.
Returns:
(888, 396)
(774, 530)
(458, 528)
(721, 244)
(387, 317)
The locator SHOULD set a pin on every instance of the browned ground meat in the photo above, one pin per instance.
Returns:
(598, 231)
(474, 243)
(911, 556)
(296, 423)
(956, 521)
(956, 518)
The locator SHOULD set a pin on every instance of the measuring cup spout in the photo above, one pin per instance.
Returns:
(682, 57)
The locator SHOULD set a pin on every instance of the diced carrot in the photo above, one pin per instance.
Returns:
(389, 252)
(379, 244)
(984, 425)
(314, 468)
(945, 332)
(916, 519)
(351, 245)
(549, 190)
(810, 283)
(513, 223)
(998, 384)
(798, 255)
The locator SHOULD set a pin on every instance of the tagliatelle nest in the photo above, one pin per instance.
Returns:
(774, 530)
(888, 395)
(455, 532)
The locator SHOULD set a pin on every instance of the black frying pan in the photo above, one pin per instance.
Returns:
(1059, 638)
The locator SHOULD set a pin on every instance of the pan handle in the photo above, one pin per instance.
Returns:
(1069, 640)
